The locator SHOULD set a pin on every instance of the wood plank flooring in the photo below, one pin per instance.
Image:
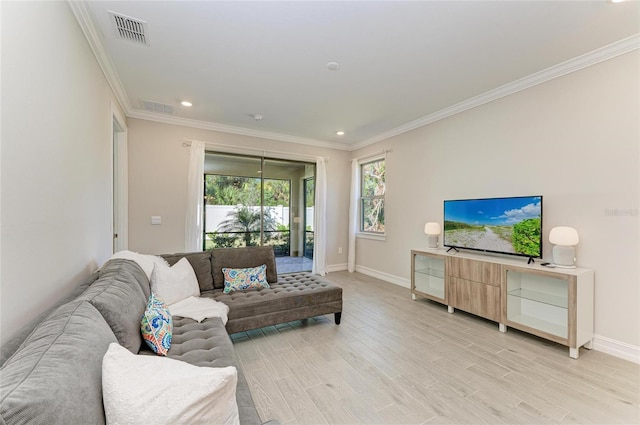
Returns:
(393, 360)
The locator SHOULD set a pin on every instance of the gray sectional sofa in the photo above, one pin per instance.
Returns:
(51, 370)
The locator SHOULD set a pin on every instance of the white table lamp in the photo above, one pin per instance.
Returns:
(564, 240)
(432, 230)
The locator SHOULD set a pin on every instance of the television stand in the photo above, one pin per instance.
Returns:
(531, 260)
(551, 303)
(454, 248)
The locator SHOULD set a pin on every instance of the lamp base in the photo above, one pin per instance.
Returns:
(432, 241)
(564, 256)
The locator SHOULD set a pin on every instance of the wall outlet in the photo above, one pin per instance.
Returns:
(340, 250)
(156, 219)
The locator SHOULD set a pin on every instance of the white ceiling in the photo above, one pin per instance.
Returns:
(402, 64)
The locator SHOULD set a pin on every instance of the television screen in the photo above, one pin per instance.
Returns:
(502, 225)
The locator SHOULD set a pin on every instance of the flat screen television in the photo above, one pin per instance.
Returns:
(501, 225)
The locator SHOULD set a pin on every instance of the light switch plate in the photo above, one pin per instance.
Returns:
(156, 219)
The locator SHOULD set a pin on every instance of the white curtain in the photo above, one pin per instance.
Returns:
(319, 220)
(195, 199)
(353, 214)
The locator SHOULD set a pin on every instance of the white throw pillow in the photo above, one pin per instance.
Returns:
(145, 261)
(139, 389)
(176, 283)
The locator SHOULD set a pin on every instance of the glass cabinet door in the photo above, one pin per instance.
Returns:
(539, 302)
(428, 276)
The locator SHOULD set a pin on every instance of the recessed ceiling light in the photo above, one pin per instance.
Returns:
(340, 133)
(616, 1)
(186, 103)
(333, 66)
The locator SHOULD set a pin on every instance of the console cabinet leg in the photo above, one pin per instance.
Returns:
(413, 297)
(502, 327)
(588, 345)
(574, 352)
(450, 309)
(337, 317)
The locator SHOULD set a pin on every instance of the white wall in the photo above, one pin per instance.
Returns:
(575, 140)
(55, 165)
(158, 165)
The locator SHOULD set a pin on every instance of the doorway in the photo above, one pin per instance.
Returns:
(119, 184)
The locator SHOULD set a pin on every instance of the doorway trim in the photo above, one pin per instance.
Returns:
(119, 180)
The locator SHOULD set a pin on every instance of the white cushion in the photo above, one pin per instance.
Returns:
(175, 283)
(138, 389)
(146, 262)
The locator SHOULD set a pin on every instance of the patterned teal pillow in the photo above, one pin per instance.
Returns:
(241, 279)
(157, 326)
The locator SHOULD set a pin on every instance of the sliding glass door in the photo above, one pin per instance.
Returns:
(251, 201)
(309, 200)
(277, 180)
(232, 200)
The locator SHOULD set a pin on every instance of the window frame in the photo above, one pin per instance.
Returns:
(369, 234)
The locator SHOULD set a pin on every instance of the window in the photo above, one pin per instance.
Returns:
(372, 196)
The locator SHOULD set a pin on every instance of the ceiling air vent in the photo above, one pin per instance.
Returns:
(151, 106)
(129, 29)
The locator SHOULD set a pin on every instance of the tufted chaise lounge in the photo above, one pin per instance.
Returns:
(293, 296)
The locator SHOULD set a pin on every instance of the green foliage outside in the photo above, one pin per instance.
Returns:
(526, 237)
(373, 189)
(232, 190)
(373, 178)
(310, 192)
(222, 240)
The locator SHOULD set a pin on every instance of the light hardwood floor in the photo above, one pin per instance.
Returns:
(397, 361)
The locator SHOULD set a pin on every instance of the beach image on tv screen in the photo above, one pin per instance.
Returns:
(509, 225)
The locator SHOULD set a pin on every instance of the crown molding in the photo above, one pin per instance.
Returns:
(596, 56)
(83, 17)
(206, 125)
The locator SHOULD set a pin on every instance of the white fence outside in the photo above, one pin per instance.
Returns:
(216, 214)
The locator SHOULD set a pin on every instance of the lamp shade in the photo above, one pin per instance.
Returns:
(432, 228)
(564, 236)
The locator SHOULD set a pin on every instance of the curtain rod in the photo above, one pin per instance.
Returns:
(382, 152)
(241, 150)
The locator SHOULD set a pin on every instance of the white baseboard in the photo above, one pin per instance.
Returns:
(336, 267)
(396, 280)
(616, 348)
